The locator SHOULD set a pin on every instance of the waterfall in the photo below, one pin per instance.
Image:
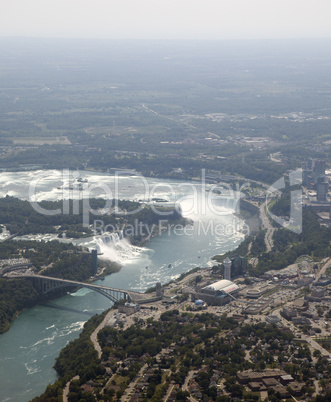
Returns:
(114, 247)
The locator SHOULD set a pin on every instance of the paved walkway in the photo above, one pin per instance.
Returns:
(94, 335)
(67, 388)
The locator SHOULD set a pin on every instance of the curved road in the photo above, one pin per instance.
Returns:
(323, 269)
(267, 225)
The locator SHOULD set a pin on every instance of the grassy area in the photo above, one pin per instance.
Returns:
(119, 380)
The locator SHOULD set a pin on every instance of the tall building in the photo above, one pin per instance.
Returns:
(307, 178)
(94, 262)
(158, 289)
(322, 189)
(318, 170)
(312, 170)
(227, 268)
(319, 167)
(239, 265)
(311, 163)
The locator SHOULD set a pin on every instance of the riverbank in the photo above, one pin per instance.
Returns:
(250, 213)
(49, 328)
(57, 256)
(133, 349)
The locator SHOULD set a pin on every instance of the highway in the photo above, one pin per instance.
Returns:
(267, 225)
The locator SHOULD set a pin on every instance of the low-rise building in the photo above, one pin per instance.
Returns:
(244, 377)
(317, 293)
(300, 321)
(283, 392)
(273, 319)
(270, 382)
(256, 307)
(128, 308)
(296, 388)
(285, 379)
(289, 313)
(300, 304)
(256, 386)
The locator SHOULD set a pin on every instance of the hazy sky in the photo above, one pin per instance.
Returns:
(166, 19)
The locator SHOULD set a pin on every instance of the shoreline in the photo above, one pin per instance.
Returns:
(107, 264)
(108, 268)
(77, 334)
(145, 242)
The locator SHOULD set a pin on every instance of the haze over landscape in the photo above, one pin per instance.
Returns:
(165, 206)
(171, 19)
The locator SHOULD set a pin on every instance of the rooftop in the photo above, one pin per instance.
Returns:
(222, 285)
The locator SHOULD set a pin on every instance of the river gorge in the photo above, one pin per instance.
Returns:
(28, 350)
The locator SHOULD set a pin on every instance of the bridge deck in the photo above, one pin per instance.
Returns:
(83, 284)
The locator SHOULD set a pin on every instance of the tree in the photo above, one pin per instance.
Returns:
(316, 353)
(320, 311)
(236, 390)
(182, 395)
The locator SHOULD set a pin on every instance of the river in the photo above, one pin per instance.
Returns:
(28, 350)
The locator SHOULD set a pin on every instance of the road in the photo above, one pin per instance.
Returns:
(167, 396)
(67, 388)
(315, 345)
(264, 218)
(167, 117)
(9, 238)
(94, 335)
(304, 337)
(129, 320)
(185, 385)
(267, 225)
(323, 269)
(130, 387)
(108, 383)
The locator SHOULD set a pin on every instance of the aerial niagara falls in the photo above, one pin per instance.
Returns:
(165, 203)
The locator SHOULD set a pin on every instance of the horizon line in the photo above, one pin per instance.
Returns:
(166, 39)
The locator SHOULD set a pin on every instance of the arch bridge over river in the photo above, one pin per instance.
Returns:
(46, 284)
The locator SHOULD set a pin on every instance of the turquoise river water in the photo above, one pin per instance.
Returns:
(28, 350)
